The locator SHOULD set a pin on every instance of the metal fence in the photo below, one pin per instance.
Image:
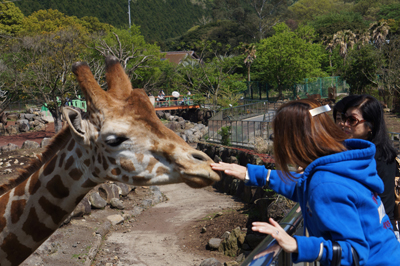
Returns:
(242, 133)
(264, 91)
(247, 110)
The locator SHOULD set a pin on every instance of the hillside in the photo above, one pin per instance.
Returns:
(159, 20)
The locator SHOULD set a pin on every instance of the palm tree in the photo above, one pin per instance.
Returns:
(379, 31)
(345, 39)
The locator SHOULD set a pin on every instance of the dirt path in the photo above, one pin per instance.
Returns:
(158, 235)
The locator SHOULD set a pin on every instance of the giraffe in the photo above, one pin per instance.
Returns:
(119, 138)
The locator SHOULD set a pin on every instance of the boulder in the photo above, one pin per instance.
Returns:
(210, 262)
(83, 208)
(12, 116)
(3, 119)
(109, 191)
(2, 129)
(45, 142)
(214, 243)
(23, 125)
(9, 147)
(29, 117)
(117, 204)
(29, 144)
(12, 130)
(96, 201)
(115, 219)
(123, 189)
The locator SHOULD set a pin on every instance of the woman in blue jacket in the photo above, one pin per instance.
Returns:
(338, 190)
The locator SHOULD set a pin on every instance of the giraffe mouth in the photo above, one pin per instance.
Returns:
(199, 181)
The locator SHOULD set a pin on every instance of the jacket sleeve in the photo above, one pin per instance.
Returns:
(333, 210)
(258, 177)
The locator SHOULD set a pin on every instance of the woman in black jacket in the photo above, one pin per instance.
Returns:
(363, 118)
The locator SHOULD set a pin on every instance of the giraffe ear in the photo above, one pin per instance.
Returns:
(74, 120)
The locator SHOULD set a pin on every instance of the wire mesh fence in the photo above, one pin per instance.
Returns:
(241, 133)
(322, 86)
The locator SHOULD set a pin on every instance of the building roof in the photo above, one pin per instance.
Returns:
(177, 57)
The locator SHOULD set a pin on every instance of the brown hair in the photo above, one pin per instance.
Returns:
(299, 138)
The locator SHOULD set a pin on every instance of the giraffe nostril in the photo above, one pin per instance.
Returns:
(199, 157)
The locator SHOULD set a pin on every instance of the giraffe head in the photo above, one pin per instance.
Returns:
(130, 144)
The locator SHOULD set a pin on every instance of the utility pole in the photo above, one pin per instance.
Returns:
(129, 13)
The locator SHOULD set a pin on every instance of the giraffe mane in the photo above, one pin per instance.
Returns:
(34, 165)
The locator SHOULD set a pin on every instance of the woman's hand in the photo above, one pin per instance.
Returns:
(232, 169)
(288, 243)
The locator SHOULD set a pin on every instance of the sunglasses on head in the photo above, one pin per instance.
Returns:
(351, 120)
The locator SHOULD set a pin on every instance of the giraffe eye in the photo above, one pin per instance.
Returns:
(115, 141)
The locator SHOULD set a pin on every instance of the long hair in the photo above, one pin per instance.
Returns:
(300, 138)
(340, 105)
(372, 112)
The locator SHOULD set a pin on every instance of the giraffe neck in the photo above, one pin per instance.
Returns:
(32, 211)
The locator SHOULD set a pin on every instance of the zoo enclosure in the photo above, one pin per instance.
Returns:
(264, 91)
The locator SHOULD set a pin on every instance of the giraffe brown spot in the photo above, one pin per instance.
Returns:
(71, 145)
(161, 171)
(62, 158)
(105, 164)
(20, 189)
(34, 228)
(89, 184)
(78, 152)
(69, 162)
(94, 174)
(151, 164)
(56, 213)
(17, 209)
(34, 183)
(49, 167)
(112, 160)
(125, 179)
(127, 165)
(75, 174)
(97, 170)
(87, 162)
(78, 199)
(3, 204)
(139, 157)
(93, 159)
(56, 188)
(116, 171)
(99, 158)
(16, 252)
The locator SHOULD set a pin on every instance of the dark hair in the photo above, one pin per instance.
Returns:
(340, 105)
(300, 138)
(372, 112)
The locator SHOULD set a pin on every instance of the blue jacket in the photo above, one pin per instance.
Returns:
(338, 195)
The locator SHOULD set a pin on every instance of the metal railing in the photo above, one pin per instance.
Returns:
(173, 101)
(268, 252)
(242, 133)
(243, 111)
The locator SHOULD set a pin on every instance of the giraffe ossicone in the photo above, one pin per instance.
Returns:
(119, 138)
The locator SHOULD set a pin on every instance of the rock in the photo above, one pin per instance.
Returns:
(115, 219)
(225, 235)
(9, 147)
(45, 142)
(104, 228)
(12, 130)
(108, 192)
(2, 129)
(210, 262)
(28, 116)
(23, 126)
(96, 201)
(117, 203)
(83, 208)
(3, 119)
(214, 243)
(231, 263)
(29, 144)
(123, 189)
(12, 116)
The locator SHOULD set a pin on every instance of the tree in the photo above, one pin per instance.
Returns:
(11, 18)
(379, 31)
(344, 40)
(40, 65)
(306, 10)
(285, 59)
(139, 59)
(213, 73)
(250, 55)
(361, 69)
(269, 13)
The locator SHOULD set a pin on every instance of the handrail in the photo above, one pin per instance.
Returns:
(269, 250)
